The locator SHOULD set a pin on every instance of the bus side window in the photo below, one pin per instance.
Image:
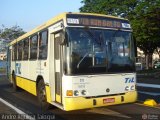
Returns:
(15, 51)
(33, 47)
(43, 45)
(26, 49)
(20, 50)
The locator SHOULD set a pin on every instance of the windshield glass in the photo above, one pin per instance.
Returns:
(93, 51)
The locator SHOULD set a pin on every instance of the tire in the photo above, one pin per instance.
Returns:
(14, 83)
(41, 94)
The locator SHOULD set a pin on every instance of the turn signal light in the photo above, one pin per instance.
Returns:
(69, 93)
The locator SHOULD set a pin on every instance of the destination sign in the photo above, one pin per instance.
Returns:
(96, 21)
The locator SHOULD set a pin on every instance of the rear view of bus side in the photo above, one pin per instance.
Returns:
(76, 61)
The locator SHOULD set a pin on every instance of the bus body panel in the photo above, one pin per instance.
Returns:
(99, 85)
(26, 78)
(26, 84)
(83, 103)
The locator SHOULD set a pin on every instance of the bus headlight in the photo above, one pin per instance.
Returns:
(76, 93)
(84, 92)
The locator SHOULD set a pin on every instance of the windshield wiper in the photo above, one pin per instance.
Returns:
(82, 59)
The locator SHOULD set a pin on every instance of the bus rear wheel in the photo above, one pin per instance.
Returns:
(41, 94)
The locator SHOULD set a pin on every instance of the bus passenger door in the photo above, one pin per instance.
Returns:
(58, 67)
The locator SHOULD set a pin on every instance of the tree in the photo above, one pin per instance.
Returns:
(146, 28)
(10, 33)
(111, 7)
(144, 16)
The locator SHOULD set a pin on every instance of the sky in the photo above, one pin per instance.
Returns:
(29, 14)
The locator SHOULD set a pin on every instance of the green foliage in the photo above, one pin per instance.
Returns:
(111, 7)
(146, 26)
(11, 33)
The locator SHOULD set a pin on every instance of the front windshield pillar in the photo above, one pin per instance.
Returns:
(68, 61)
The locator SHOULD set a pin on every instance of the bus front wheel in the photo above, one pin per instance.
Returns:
(41, 94)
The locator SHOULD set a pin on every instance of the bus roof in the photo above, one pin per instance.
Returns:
(56, 19)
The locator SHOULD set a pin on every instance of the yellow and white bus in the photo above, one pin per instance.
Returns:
(76, 61)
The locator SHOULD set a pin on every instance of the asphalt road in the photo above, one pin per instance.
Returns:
(29, 104)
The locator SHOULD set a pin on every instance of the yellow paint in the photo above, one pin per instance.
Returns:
(150, 102)
(27, 85)
(48, 94)
(83, 103)
(58, 98)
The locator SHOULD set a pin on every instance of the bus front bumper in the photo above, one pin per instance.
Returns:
(83, 103)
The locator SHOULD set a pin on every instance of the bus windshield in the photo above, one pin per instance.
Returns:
(91, 51)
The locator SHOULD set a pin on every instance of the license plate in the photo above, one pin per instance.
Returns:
(108, 100)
